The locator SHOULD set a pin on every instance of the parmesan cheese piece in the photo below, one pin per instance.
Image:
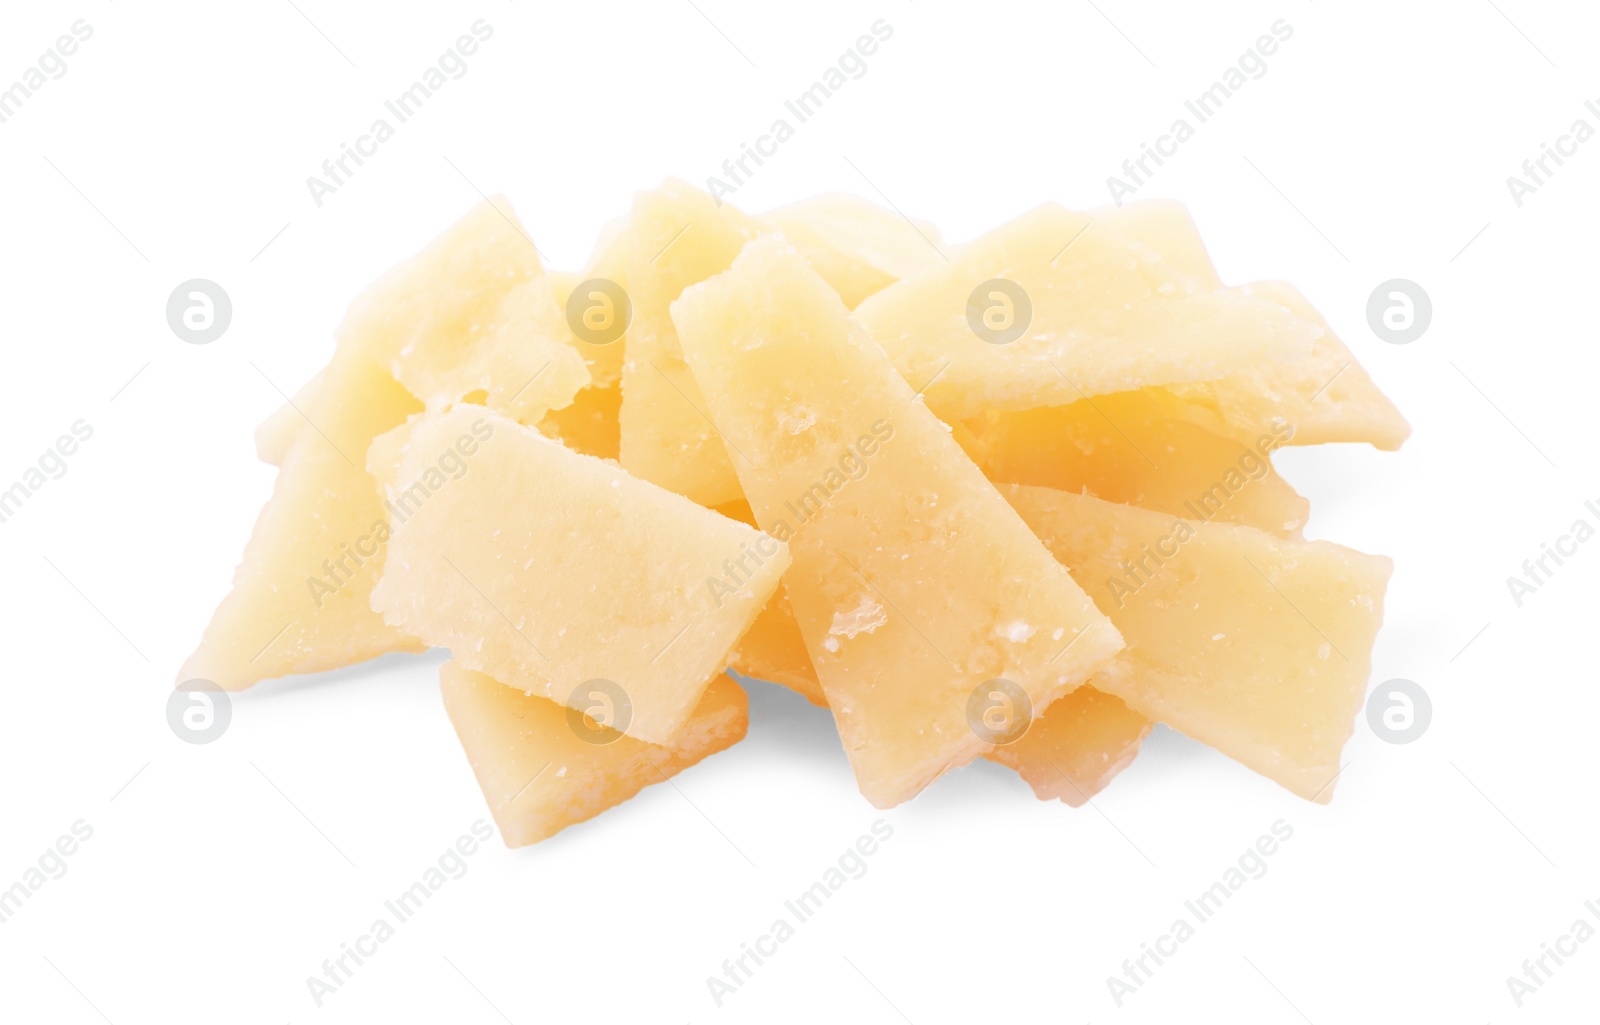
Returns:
(1067, 312)
(1256, 645)
(876, 499)
(547, 569)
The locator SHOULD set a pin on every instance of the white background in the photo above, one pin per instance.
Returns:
(1376, 146)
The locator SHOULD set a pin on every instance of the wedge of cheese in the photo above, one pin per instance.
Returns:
(548, 569)
(1327, 396)
(1258, 646)
(913, 582)
(1076, 747)
(1078, 313)
(1069, 753)
(470, 313)
(541, 770)
(678, 236)
(299, 602)
(857, 247)
(1129, 447)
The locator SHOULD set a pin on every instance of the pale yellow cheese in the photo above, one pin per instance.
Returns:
(914, 583)
(1076, 747)
(678, 236)
(468, 312)
(299, 597)
(857, 247)
(546, 569)
(1130, 447)
(1100, 315)
(1327, 396)
(276, 433)
(1258, 646)
(1069, 753)
(543, 767)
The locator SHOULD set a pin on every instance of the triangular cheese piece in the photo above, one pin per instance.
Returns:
(543, 767)
(299, 598)
(548, 569)
(1069, 753)
(459, 316)
(1258, 646)
(1326, 396)
(474, 312)
(678, 236)
(1085, 313)
(914, 583)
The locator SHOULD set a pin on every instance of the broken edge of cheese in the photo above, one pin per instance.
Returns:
(542, 770)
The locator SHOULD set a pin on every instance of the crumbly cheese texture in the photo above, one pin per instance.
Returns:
(474, 312)
(1258, 646)
(540, 774)
(910, 571)
(1104, 315)
(548, 569)
(1326, 396)
(1130, 447)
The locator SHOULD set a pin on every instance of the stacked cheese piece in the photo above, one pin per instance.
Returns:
(1012, 500)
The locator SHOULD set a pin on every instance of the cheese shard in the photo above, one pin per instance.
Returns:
(299, 603)
(1085, 313)
(471, 315)
(1131, 447)
(913, 581)
(678, 236)
(1257, 646)
(299, 597)
(857, 247)
(548, 569)
(1070, 753)
(540, 775)
(473, 312)
(1075, 748)
(276, 433)
(1328, 396)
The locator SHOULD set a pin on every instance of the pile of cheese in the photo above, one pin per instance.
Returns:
(1011, 499)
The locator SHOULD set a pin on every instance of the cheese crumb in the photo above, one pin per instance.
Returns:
(866, 617)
